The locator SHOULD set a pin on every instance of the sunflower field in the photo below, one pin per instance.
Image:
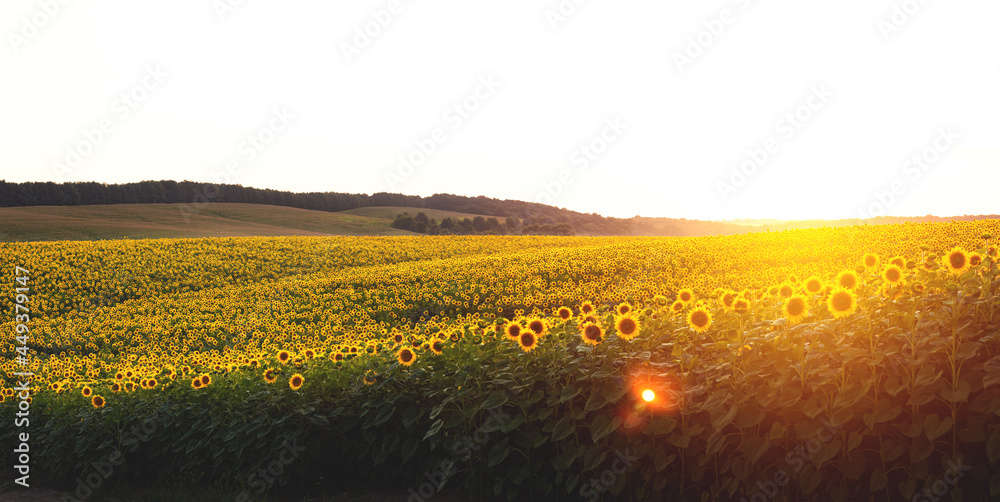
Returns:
(852, 363)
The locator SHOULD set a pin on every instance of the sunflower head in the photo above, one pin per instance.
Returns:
(892, 274)
(627, 326)
(284, 356)
(528, 340)
(842, 302)
(538, 325)
(685, 295)
(814, 285)
(727, 299)
(406, 356)
(591, 333)
(957, 261)
(786, 290)
(296, 381)
(97, 401)
(270, 376)
(513, 330)
(677, 306)
(437, 346)
(623, 308)
(848, 279)
(871, 260)
(587, 307)
(86, 391)
(741, 305)
(564, 313)
(796, 308)
(699, 319)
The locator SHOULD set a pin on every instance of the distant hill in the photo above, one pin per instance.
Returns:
(778, 225)
(147, 221)
(95, 211)
(512, 216)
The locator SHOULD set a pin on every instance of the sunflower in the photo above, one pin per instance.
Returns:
(871, 260)
(591, 333)
(627, 326)
(796, 308)
(786, 290)
(975, 259)
(586, 307)
(660, 300)
(97, 401)
(741, 305)
(406, 356)
(623, 308)
(284, 356)
(917, 287)
(685, 295)
(528, 340)
(513, 330)
(814, 285)
(564, 313)
(539, 326)
(310, 353)
(892, 275)
(296, 381)
(957, 261)
(151, 383)
(677, 306)
(842, 302)
(898, 261)
(116, 387)
(196, 383)
(589, 318)
(269, 376)
(206, 380)
(727, 299)
(437, 346)
(337, 357)
(119, 375)
(397, 338)
(848, 279)
(87, 391)
(700, 320)
(370, 378)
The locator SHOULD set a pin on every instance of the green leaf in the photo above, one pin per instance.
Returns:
(496, 399)
(435, 427)
(564, 427)
(602, 427)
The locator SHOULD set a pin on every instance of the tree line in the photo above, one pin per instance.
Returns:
(530, 217)
(478, 225)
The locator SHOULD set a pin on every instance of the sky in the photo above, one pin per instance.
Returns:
(724, 109)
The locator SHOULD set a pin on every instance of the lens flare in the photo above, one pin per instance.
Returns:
(648, 395)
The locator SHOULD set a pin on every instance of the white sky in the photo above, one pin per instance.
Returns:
(62, 74)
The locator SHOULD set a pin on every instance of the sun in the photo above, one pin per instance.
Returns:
(648, 395)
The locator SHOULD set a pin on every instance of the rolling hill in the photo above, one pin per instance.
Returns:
(142, 221)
